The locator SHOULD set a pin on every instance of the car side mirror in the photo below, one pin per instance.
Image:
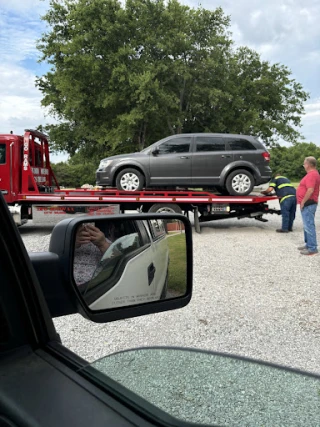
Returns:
(155, 151)
(122, 266)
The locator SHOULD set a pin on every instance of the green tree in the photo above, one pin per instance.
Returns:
(73, 174)
(124, 76)
(289, 160)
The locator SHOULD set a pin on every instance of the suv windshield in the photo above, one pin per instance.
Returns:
(212, 389)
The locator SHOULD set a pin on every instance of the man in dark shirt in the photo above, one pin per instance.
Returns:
(288, 202)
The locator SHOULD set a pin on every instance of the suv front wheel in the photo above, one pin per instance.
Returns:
(129, 180)
(240, 183)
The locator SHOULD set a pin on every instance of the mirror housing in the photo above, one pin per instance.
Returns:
(155, 151)
(62, 244)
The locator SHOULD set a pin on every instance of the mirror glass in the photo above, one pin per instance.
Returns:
(121, 262)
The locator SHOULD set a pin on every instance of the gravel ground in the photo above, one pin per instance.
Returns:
(254, 295)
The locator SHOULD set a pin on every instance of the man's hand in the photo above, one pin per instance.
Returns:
(98, 238)
(267, 191)
(82, 236)
(306, 197)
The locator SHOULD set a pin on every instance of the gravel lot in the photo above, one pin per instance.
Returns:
(254, 295)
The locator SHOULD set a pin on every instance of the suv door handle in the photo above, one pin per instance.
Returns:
(184, 157)
(151, 273)
(227, 155)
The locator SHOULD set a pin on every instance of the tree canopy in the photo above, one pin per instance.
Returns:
(125, 75)
(289, 160)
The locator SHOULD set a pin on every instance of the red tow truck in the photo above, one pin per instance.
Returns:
(31, 191)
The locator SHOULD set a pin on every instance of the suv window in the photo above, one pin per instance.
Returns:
(144, 235)
(239, 144)
(157, 228)
(2, 154)
(209, 143)
(175, 145)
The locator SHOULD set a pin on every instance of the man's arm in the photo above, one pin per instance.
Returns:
(268, 191)
(306, 197)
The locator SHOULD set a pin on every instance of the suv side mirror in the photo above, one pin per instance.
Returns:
(121, 266)
(155, 151)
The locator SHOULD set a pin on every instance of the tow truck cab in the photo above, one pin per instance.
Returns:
(24, 169)
(25, 165)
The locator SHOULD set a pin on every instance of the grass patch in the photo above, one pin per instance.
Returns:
(178, 263)
(295, 183)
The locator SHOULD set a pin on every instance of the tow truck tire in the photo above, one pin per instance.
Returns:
(130, 180)
(240, 183)
(165, 208)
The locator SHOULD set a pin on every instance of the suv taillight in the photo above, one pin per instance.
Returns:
(266, 156)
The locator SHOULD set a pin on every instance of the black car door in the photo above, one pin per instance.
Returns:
(243, 150)
(171, 164)
(209, 158)
(40, 384)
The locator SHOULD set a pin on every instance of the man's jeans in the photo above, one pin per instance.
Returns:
(310, 236)
(288, 211)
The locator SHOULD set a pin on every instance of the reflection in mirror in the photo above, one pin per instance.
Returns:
(126, 262)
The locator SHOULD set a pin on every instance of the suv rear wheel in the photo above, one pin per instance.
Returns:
(240, 183)
(130, 180)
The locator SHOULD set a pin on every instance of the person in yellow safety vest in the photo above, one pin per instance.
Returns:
(288, 202)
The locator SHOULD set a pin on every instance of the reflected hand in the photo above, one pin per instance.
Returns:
(82, 237)
(98, 238)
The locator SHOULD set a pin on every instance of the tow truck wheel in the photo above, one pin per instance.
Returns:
(130, 180)
(162, 208)
(240, 183)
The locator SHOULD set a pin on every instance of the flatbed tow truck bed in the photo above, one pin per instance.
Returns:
(205, 206)
(32, 192)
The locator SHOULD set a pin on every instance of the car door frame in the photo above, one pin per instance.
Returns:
(35, 367)
(141, 256)
(184, 157)
(227, 155)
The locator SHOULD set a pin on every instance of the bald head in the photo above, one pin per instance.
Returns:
(311, 161)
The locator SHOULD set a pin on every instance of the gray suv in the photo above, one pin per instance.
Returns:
(233, 164)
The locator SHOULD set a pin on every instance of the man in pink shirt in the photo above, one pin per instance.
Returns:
(307, 198)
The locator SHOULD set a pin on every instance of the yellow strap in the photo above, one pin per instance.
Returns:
(285, 197)
(285, 185)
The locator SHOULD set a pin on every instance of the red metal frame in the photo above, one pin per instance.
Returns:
(34, 173)
(148, 196)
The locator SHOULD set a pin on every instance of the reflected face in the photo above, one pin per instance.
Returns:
(129, 262)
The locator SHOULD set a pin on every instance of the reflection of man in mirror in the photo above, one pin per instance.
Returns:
(91, 243)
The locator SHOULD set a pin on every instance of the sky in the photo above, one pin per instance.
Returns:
(283, 31)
